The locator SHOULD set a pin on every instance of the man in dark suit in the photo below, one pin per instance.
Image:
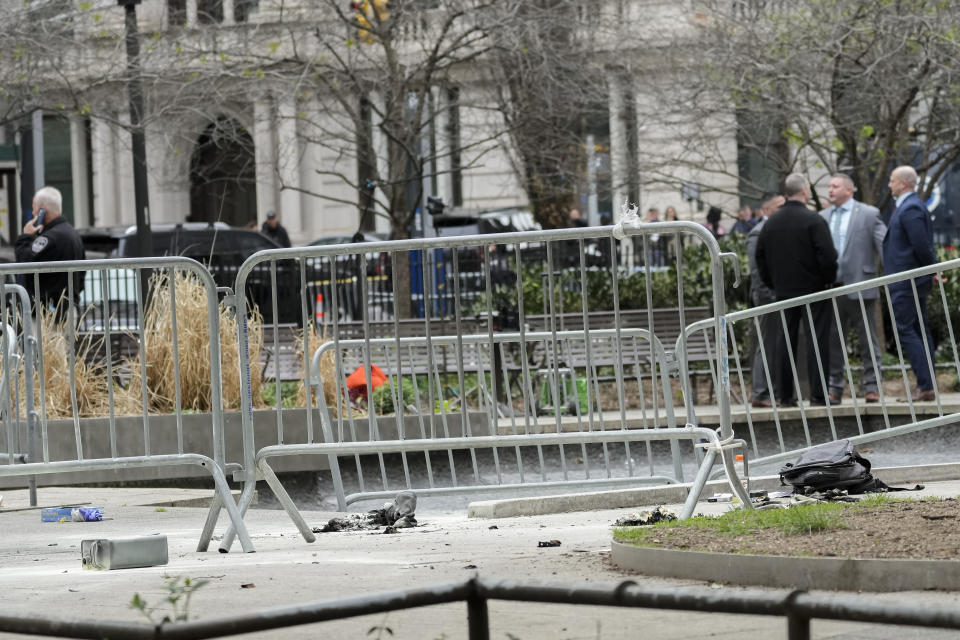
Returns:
(909, 245)
(796, 257)
(761, 294)
(857, 232)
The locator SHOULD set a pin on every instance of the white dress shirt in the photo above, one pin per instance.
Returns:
(840, 216)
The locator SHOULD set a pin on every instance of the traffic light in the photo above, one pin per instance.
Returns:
(435, 206)
(362, 14)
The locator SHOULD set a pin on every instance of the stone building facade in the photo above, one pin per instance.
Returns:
(239, 158)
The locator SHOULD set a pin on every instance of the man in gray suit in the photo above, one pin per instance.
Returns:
(761, 294)
(857, 232)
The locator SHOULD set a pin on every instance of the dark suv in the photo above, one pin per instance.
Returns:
(222, 249)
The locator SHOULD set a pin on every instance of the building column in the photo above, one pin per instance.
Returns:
(103, 156)
(79, 163)
(228, 12)
(288, 165)
(265, 157)
(380, 152)
(619, 144)
(443, 161)
(123, 180)
(593, 215)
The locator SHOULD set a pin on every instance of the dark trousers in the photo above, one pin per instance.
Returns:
(911, 331)
(818, 339)
(769, 330)
(851, 317)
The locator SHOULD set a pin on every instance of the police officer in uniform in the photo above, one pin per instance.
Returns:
(49, 237)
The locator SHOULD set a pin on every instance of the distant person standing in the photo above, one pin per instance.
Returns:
(744, 223)
(576, 219)
(796, 257)
(274, 230)
(657, 241)
(49, 237)
(761, 294)
(909, 245)
(857, 232)
(570, 249)
(714, 214)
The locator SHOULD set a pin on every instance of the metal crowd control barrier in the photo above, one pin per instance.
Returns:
(854, 417)
(492, 288)
(798, 608)
(504, 467)
(19, 425)
(83, 367)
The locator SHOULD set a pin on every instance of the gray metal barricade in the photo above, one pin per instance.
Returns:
(576, 270)
(571, 400)
(73, 359)
(18, 352)
(779, 428)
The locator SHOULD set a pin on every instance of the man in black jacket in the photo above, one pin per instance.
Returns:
(49, 237)
(796, 257)
(274, 230)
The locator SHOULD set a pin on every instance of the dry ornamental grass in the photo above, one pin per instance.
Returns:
(193, 346)
(328, 367)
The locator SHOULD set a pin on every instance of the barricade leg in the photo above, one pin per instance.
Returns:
(246, 497)
(274, 483)
(211, 523)
(236, 516)
(281, 494)
(698, 484)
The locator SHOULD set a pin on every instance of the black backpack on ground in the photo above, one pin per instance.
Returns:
(834, 465)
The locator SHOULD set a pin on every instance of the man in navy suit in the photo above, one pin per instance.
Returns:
(909, 245)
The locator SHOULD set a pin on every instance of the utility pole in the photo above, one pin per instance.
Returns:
(135, 94)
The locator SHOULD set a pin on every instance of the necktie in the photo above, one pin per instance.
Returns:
(835, 230)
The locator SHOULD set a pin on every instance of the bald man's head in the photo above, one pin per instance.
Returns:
(903, 179)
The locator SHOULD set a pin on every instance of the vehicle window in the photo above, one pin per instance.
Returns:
(195, 244)
(249, 243)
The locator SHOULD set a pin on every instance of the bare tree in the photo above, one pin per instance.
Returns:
(836, 85)
(547, 71)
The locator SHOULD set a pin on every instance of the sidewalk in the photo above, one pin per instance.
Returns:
(40, 571)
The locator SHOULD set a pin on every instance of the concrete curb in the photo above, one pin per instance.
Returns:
(841, 574)
(202, 502)
(676, 493)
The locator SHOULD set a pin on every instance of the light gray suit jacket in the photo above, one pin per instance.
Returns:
(862, 248)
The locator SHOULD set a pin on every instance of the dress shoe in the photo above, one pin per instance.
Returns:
(834, 400)
(871, 396)
(765, 404)
(924, 395)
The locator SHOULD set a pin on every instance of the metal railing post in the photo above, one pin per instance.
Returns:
(478, 617)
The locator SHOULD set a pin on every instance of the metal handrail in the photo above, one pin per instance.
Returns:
(798, 607)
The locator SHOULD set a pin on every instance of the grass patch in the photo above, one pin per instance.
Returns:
(797, 520)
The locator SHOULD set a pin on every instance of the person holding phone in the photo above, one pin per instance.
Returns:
(49, 237)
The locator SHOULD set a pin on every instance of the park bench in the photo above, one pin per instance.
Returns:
(285, 360)
(666, 326)
(287, 363)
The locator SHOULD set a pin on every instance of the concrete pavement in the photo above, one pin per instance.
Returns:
(40, 572)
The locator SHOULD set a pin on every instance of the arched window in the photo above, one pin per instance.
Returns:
(223, 175)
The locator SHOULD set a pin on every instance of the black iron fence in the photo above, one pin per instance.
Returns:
(797, 607)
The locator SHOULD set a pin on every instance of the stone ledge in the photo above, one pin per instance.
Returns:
(840, 574)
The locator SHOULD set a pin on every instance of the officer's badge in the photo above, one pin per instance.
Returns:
(39, 244)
